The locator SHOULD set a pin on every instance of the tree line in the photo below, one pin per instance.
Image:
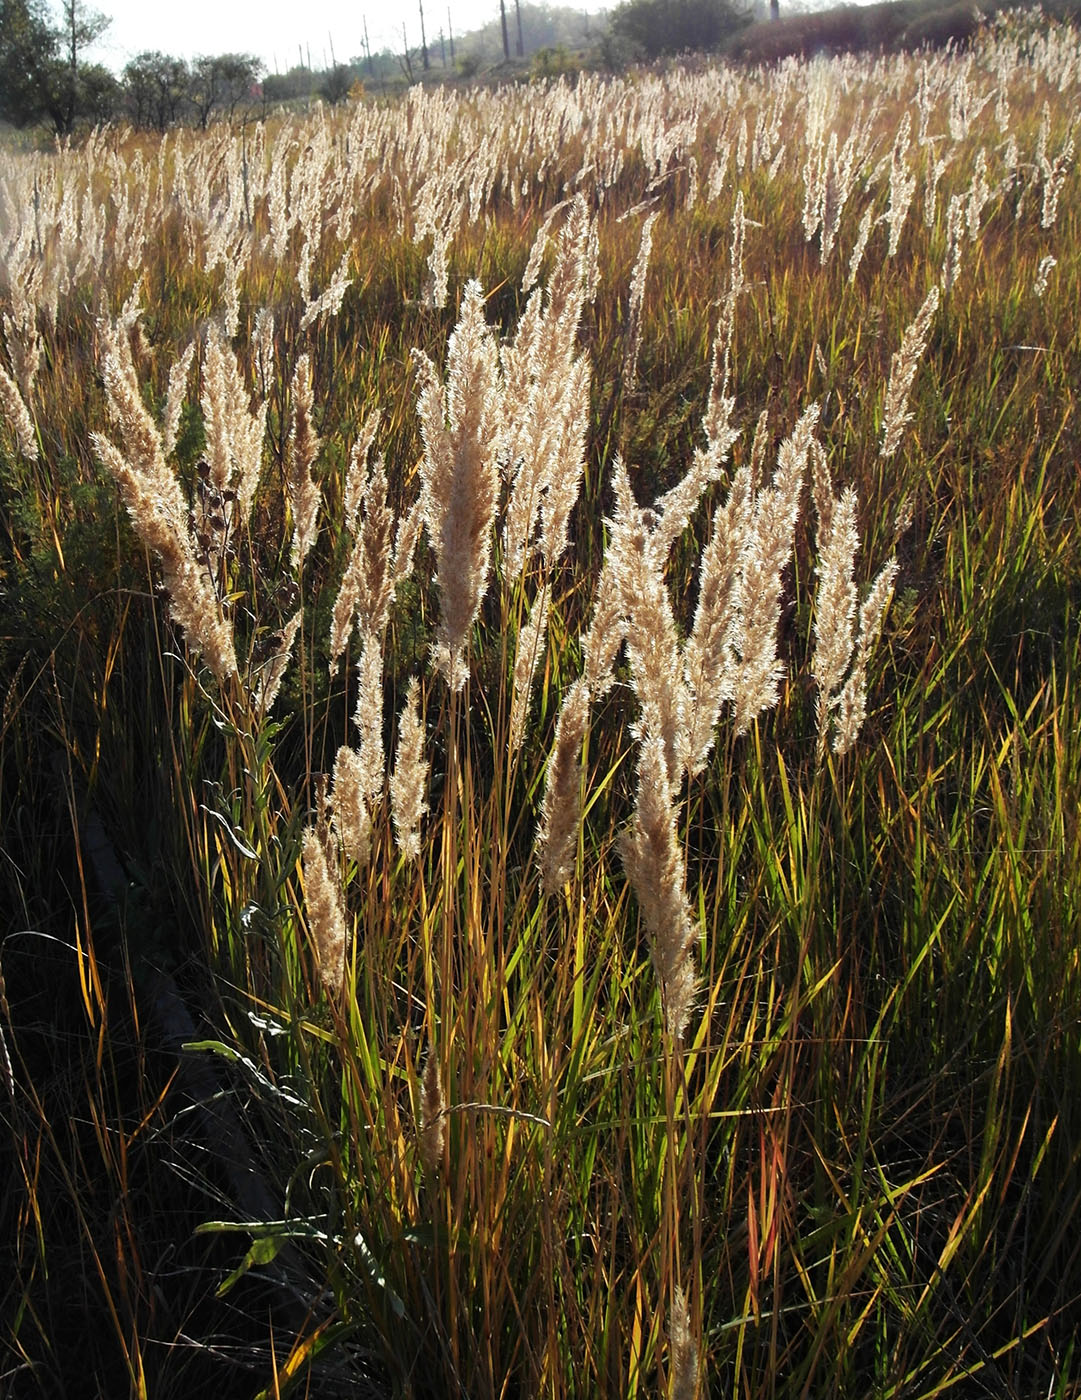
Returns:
(46, 78)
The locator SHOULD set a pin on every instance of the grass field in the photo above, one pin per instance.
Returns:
(539, 639)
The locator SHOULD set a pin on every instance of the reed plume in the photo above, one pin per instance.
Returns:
(1039, 285)
(683, 1353)
(410, 776)
(301, 452)
(607, 629)
(358, 472)
(561, 807)
(653, 860)
(546, 402)
(367, 588)
(708, 659)
(349, 806)
(835, 603)
(234, 430)
(526, 658)
(174, 398)
(368, 715)
(903, 368)
(852, 704)
(837, 542)
(636, 302)
(271, 671)
(18, 417)
(326, 916)
(405, 540)
(159, 512)
(433, 1108)
(651, 636)
(765, 551)
(461, 424)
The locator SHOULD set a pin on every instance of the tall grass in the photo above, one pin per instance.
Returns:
(585, 716)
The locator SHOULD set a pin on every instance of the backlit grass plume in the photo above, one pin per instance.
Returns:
(461, 421)
(159, 512)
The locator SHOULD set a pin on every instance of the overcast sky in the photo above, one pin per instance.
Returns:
(275, 30)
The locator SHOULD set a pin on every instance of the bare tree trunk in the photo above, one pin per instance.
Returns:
(407, 67)
(450, 32)
(73, 65)
(423, 37)
(774, 9)
(518, 14)
(506, 41)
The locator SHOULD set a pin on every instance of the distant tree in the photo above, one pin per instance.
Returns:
(221, 83)
(43, 72)
(29, 52)
(100, 94)
(80, 27)
(337, 82)
(423, 38)
(287, 87)
(656, 27)
(542, 27)
(157, 89)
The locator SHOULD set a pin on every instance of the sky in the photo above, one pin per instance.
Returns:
(277, 30)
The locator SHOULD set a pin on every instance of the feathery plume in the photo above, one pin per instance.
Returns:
(651, 637)
(300, 454)
(367, 588)
(759, 446)
(351, 819)
(174, 398)
(410, 776)
(951, 266)
(159, 512)
(326, 916)
(683, 1364)
(708, 662)
(766, 547)
(546, 398)
(433, 1108)
(653, 860)
(540, 244)
(272, 670)
(561, 807)
(263, 348)
(357, 473)
(1039, 285)
(18, 417)
(902, 184)
(461, 423)
(608, 627)
(405, 540)
(903, 368)
(835, 604)
(636, 301)
(368, 716)
(527, 655)
(852, 704)
(860, 246)
(329, 303)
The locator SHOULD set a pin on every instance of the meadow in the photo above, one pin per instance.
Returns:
(540, 764)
